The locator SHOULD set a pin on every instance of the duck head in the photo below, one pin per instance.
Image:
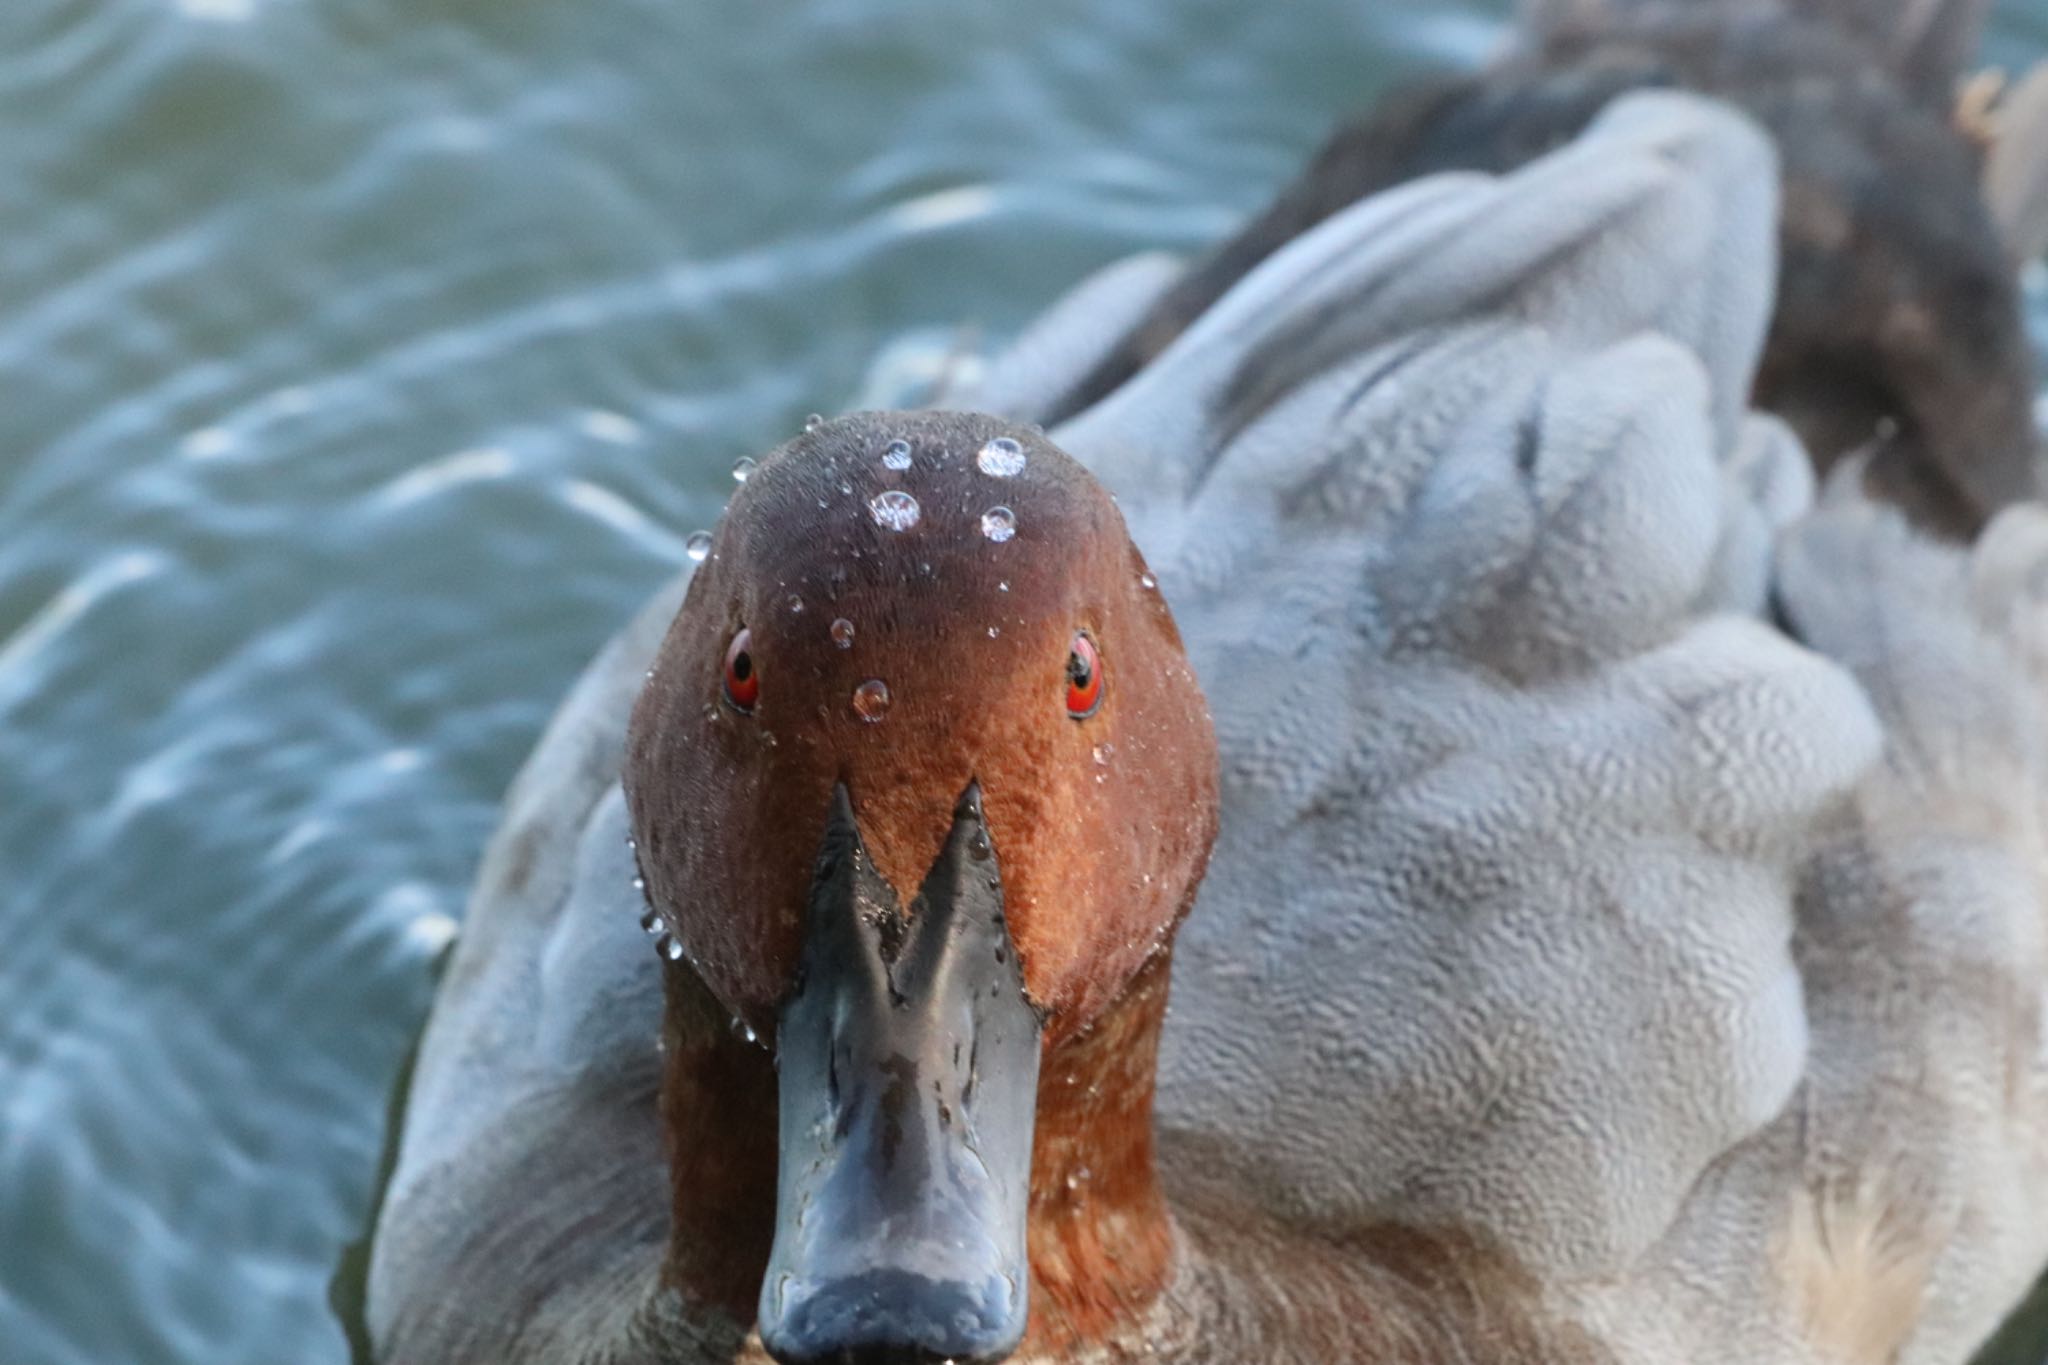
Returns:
(921, 784)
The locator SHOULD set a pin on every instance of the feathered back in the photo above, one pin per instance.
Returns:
(1898, 1196)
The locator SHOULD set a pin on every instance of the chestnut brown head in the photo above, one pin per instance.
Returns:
(921, 779)
(904, 631)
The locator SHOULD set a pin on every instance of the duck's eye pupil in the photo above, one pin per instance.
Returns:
(743, 666)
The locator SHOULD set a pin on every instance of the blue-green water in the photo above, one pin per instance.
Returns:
(362, 365)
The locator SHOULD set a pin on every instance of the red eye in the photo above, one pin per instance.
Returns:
(1084, 678)
(742, 680)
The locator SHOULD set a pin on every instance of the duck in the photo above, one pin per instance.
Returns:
(1414, 828)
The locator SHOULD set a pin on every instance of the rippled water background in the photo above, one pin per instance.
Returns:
(362, 364)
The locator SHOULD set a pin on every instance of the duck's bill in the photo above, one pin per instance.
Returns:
(908, 1061)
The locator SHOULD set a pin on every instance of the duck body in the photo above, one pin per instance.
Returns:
(1585, 968)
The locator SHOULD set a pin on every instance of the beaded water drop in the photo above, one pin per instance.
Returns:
(1001, 458)
(698, 546)
(999, 524)
(871, 700)
(741, 468)
(894, 510)
(842, 633)
(897, 455)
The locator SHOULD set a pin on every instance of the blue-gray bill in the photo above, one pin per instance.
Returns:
(908, 1061)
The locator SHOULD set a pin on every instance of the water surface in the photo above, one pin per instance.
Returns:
(363, 363)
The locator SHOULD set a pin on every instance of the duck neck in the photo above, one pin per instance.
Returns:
(1101, 1236)
(718, 1110)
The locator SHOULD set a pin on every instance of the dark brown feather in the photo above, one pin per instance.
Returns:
(1897, 329)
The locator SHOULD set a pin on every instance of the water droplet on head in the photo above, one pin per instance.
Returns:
(999, 524)
(796, 604)
(1001, 458)
(842, 633)
(814, 421)
(1103, 751)
(650, 921)
(1003, 586)
(1146, 580)
(977, 846)
(742, 467)
(639, 883)
(897, 455)
(667, 947)
(871, 700)
(698, 546)
(894, 510)
(994, 631)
